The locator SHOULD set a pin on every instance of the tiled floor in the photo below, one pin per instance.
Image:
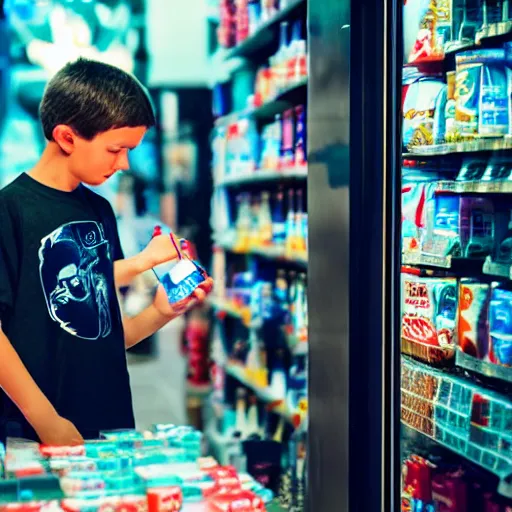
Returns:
(158, 381)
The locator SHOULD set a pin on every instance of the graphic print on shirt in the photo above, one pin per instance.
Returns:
(74, 265)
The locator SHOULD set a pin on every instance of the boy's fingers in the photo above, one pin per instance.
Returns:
(200, 294)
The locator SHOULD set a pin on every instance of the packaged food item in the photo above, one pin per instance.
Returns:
(451, 133)
(481, 95)
(500, 331)
(128, 503)
(62, 451)
(419, 109)
(180, 278)
(32, 506)
(498, 169)
(458, 227)
(473, 332)
(434, 22)
(235, 501)
(164, 499)
(473, 169)
(419, 387)
(429, 314)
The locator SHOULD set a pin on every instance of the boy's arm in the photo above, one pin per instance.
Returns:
(19, 385)
(161, 248)
(160, 312)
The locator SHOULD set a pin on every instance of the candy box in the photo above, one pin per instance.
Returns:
(235, 501)
(83, 483)
(429, 314)
(62, 466)
(165, 499)
(32, 506)
(132, 503)
(62, 451)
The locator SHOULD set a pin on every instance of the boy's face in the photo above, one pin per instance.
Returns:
(94, 161)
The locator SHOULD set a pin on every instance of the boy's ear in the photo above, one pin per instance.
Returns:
(65, 137)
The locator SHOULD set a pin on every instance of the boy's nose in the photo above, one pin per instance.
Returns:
(122, 163)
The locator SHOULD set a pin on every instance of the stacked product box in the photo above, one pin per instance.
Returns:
(158, 470)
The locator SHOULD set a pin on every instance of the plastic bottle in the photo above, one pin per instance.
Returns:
(265, 220)
(300, 136)
(279, 220)
(290, 224)
(287, 159)
(282, 58)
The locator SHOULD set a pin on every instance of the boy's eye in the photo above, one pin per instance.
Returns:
(115, 151)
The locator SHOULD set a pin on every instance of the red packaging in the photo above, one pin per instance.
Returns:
(62, 451)
(32, 506)
(165, 499)
(237, 501)
(107, 504)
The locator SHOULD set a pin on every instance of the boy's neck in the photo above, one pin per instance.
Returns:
(52, 170)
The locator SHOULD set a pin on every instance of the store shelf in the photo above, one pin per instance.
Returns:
(265, 176)
(470, 266)
(276, 405)
(264, 35)
(493, 268)
(474, 146)
(474, 187)
(292, 96)
(270, 253)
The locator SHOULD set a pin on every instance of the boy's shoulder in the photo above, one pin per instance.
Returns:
(12, 189)
(97, 200)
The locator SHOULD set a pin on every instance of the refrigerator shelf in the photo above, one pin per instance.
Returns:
(474, 187)
(288, 98)
(470, 420)
(264, 176)
(469, 266)
(473, 146)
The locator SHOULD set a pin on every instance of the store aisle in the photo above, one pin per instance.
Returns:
(158, 382)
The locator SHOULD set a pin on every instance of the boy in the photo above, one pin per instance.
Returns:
(63, 371)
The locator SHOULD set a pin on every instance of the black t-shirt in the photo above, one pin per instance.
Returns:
(58, 302)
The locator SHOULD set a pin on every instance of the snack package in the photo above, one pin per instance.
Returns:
(499, 354)
(473, 328)
(434, 21)
(429, 311)
(418, 191)
(458, 227)
(419, 388)
(419, 109)
(481, 95)
(166, 499)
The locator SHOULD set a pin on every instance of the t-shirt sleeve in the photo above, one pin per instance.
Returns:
(113, 233)
(8, 260)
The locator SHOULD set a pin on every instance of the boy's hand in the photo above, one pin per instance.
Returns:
(59, 431)
(160, 250)
(161, 302)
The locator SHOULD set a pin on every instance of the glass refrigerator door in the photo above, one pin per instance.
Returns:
(456, 288)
